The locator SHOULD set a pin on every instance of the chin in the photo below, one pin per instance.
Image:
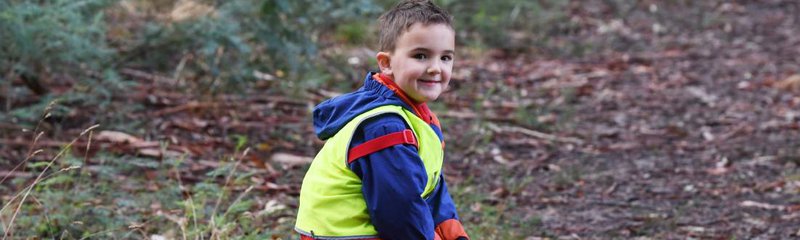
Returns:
(431, 98)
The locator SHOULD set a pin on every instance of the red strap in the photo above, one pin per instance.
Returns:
(371, 146)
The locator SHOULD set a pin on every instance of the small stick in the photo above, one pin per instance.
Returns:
(536, 134)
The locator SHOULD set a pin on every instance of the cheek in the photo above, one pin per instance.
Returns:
(447, 72)
(414, 71)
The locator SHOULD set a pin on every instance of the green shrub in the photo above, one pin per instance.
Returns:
(511, 24)
(52, 37)
(235, 38)
(81, 46)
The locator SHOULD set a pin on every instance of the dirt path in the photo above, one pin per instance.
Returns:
(693, 134)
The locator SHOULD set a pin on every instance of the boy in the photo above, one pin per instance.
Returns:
(379, 174)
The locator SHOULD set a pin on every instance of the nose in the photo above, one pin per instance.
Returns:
(434, 68)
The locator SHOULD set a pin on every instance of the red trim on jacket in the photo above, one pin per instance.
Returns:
(421, 109)
(451, 229)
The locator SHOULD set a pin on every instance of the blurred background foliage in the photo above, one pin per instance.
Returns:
(89, 48)
(51, 48)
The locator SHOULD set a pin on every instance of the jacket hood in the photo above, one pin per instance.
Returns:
(332, 114)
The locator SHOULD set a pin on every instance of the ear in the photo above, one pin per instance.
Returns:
(384, 60)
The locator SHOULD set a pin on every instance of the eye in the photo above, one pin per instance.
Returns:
(420, 56)
(447, 58)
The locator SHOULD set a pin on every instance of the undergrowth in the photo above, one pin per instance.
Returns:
(82, 195)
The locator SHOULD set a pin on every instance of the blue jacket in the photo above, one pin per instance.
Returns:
(392, 178)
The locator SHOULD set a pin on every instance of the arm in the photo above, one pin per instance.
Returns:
(445, 215)
(392, 181)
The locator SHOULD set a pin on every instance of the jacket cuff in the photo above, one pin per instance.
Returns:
(451, 229)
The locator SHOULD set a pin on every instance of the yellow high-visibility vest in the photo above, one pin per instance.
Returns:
(331, 202)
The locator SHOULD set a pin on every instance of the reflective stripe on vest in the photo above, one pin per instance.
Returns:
(332, 205)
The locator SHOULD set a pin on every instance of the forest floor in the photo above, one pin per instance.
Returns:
(650, 133)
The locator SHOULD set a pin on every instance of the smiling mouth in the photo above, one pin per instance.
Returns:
(429, 81)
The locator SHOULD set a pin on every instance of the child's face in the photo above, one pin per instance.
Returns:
(422, 61)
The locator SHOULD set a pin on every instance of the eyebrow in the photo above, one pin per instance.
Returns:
(421, 49)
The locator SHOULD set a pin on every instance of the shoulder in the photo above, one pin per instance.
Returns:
(383, 124)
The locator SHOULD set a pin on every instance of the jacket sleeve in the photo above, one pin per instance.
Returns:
(444, 214)
(392, 181)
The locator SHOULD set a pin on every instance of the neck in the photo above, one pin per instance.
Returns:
(389, 82)
(420, 108)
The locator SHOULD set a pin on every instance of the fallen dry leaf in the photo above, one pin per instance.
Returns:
(131, 144)
(290, 160)
(703, 95)
(762, 205)
(116, 137)
(158, 153)
(721, 167)
(718, 170)
(188, 9)
(791, 83)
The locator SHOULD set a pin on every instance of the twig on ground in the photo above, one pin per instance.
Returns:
(41, 143)
(144, 75)
(766, 206)
(186, 107)
(623, 204)
(533, 133)
(473, 115)
(15, 174)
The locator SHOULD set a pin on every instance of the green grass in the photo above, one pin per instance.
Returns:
(127, 197)
(133, 198)
(487, 217)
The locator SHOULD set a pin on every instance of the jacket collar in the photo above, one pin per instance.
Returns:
(420, 109)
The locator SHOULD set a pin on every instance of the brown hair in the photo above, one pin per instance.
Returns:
(398, 19)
